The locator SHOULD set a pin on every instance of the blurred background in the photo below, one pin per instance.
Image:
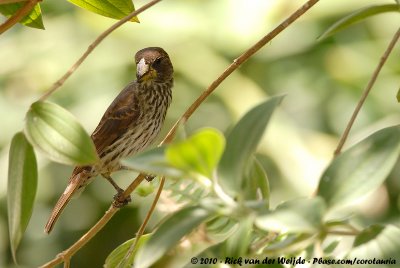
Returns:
(322, 80)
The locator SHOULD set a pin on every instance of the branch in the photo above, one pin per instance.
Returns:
(171, 134)
(236, 63)
(364, 95)
(3, 2)
(93, 45)
(17, 16)
(139, 234)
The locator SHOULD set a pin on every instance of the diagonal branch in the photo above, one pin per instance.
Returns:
(368, 88)
(171, 134)
(93, 45)
(236, 63)
(17, 16)
(3, 2)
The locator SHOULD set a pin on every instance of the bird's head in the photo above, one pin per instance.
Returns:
(153, 65)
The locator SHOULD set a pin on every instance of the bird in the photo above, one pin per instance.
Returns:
(129, 125)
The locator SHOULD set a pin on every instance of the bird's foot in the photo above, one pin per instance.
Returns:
(149, 177)
(120, 200)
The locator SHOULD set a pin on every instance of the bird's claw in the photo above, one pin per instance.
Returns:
(120, 200)
(149, 177)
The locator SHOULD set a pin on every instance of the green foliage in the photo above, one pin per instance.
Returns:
(377, 242)
(361, 169)
(33, 19)
(357, 16)
(56, 132)
(241, 142)
(117, 256)
(169, 233)
(22, 184)
(116, 9)
(294, 216)
(200, 153)
(298, 223)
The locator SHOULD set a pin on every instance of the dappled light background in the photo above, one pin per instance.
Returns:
(322, 81)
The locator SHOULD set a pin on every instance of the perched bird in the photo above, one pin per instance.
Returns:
(129, 125)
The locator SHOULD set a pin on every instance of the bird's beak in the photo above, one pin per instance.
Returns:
(142, 69)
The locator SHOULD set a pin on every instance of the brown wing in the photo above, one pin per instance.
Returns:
(120, 115)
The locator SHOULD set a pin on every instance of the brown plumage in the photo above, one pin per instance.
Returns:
(129, 125)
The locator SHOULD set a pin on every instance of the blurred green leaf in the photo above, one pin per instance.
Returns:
(33, 19)
(56, 132)
(152, 161)
(193, 245)
(357, 16)
(361, 169)
(299, 215)
(169, 233)
(236, 249)
(331, 247)
(241, 143)
(256, 185)
(378, 242)
(398, 95)
(21, 188)
(118, 254)
(115, 9)
(145, 189)
(200, 152)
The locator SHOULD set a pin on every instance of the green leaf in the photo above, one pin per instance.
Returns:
(118, 254)
(56, 132)
(357, 16)
(200, 152)
(288, 244)
(331, 247)
(115, 9)
(169, 233)
(361, 169)
(256, 185)
(398, 93)
(242, 234)
(295, 216)
(21, 188)
(145, 189)
(193, 245)
(379, 243)
(33, 19)
(241, 143)
(152, 161)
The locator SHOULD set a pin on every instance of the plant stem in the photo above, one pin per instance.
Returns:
(236, 63)
(144, 224)
(17, 16)
(364, 95)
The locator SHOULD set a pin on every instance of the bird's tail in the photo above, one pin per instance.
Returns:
(76, 182)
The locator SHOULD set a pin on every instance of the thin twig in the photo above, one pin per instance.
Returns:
(93, 45)
(17, 16)
(67, 254)
(171, 134)
(343, 233)
(371, 82)
(3, 2)
(144, 224)
(236, 63)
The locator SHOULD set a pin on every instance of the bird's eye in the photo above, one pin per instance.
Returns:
(157, 61)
